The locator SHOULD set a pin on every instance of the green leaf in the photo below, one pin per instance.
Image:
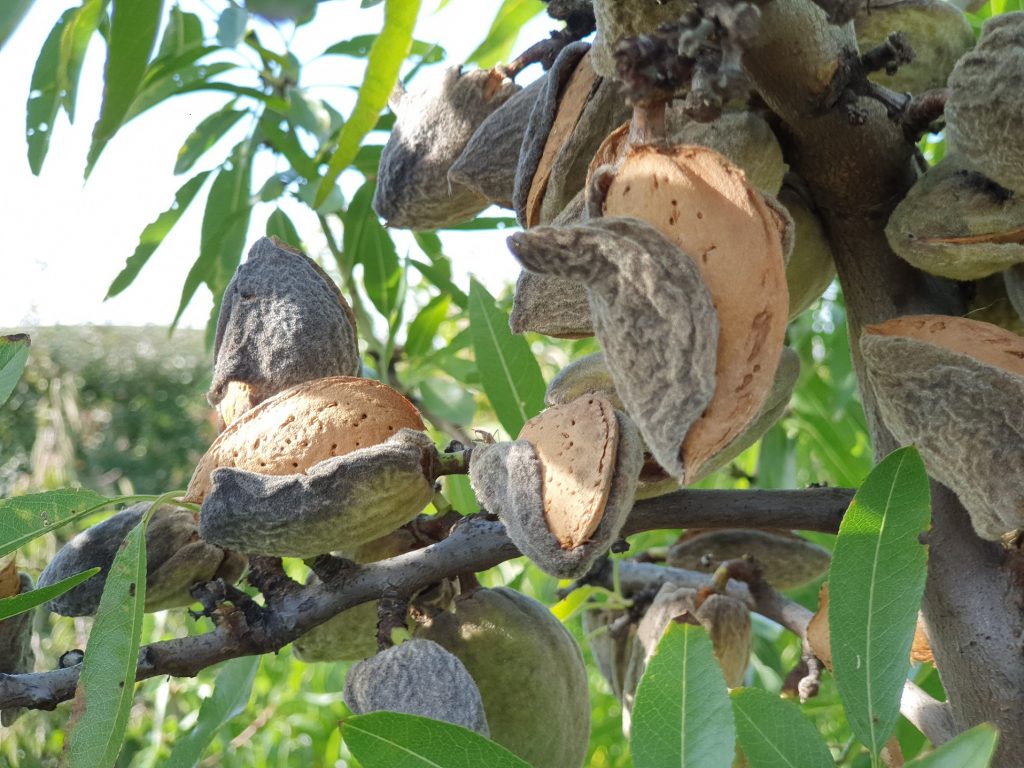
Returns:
(44, 94)
(875, 586)
(225, 225)
(133, 29)
(25, 518)
(189, 79)
(386, 56)
(509, 372)
(73, 44)
(230, 697)
(13, 356)
(310, 113)
(155, 232)
(285, 142)
(297, 11)
(460, 494)
(423, 328)
(231, 26)
(106, 687)
(440, 275)
(774, 733)
(281, 227)
(183, 32)
(511, 17)
(209, 131)
(682, 716)
(26, 601)
(11, 14)
(971, 749)
(366, 242)
(448, 399)
(393, 740)
(360, 45)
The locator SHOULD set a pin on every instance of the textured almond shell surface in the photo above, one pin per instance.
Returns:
(10, 583)
(704, 205)
(290, 432)
(576, 444)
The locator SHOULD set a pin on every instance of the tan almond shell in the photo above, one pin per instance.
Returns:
(787, 560)
(953, 387)
(704, 205)
(572, 102)
(10, 582)
(238, 398)
(957, 223)
(576, 444)
(295, 429)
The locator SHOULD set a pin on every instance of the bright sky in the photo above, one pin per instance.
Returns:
(65, 240)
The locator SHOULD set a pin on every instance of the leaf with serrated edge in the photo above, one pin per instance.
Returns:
(508, 370)
(774, 734)
(682, 715)
(13, 356)
(971, 749)
(383, 63)
(25, 518)
(230, 697)
(26, 601)
(103, 696)
(875, 586)
(393, 740)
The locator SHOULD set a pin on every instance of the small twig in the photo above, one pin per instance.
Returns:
(888, 56)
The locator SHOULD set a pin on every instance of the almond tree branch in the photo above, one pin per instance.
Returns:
(474, 544)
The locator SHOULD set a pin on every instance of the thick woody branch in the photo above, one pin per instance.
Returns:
(475, 544)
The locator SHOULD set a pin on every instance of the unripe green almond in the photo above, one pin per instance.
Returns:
(488, 163)
(953, 387)
(937, 30)
(810, 269)
(528, 668)
(508, 479)
(652, 313)
(628, 18)
(1014, 280)
(16, 654)
(985, 108)
(282, 322)
(432, 128)
(747, 140)
(418, 677)
(340, 502)
(587, 375)
(177, 558)
(990, 302)
(786, 560)
(352, 634)
(957, 223)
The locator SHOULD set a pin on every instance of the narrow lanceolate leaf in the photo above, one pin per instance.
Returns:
(73, 44)
(774, 733)
(424, 327)
(281, 226)
(26, 601)
(133, 28)
(155, 232)
(183, 31)
(366, 242)
(682, 716)
(230, 698)
(11, 14)
(971, 749)
(393, 740)
(44, 95)
(875, 587)
(508, 370)
(24, 518)
(103, 697)
(209, 131)
(13, 356)
(386, 56)
(225, 225)
(504, 30)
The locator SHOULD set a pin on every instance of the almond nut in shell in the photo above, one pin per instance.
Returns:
(786, 560)
(339, 502)
(432, 128)
(177, 558)
(587, 375)
(302, 426)
(954, 387)
(528, 668)
(810, 268)
(563, 500)
(418, 677)
(703, 204)
(653, 316)
(282, 322)
(957, 223)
